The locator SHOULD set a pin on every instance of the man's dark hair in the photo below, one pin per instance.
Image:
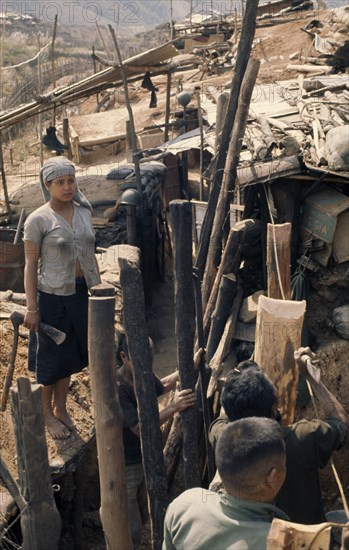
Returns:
(247, 449)
(247, 393)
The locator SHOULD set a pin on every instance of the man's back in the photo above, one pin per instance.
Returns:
(201, 519)
(309, 445)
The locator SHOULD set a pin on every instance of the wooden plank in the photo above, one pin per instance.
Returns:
(284, 535)
(278, 335)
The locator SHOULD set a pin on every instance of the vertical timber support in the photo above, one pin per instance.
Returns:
(148, 412)
(279, 261)
(181, 219)
(40, 519)
(108, 418)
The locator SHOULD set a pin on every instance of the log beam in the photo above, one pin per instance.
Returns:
(181, 220)
(147, 404)
(108, 418)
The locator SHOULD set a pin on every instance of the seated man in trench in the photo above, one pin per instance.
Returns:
(250, 458)
(136, 490)
(309, 444)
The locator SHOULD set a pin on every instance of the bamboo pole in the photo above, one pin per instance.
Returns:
(148, 412)
(103, 42)
(181, 219)
(4, 182)
(53, 51)
(171, 21)
(40, 114)
(108, 418)
(40, 519)
(279, 261)
(135, 152)
(201, 126)
(229, 177)
(168, 105)
(243, 55)
(66, 137)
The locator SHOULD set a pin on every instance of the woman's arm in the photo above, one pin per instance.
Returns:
(32, 255)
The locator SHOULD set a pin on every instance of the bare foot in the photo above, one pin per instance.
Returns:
(57, 429)
(65, 419)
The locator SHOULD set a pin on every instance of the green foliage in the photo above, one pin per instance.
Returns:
(15, 52)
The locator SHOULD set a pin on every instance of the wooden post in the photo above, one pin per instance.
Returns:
(278, 335)
(279, 261)
(66, 137)
(225, 298)
(243, 55)
(222, 104)
(171, 21)
(40, 114)
(216, 363)
(201, 126)
(109, 56)
(53, 51)
(4, 183)
(229, 177)
(40, 519)
(181, 220)
(135, 152)
(148, 412)
(230, 263)
(108, 418)
(173, 447)
(168, 105)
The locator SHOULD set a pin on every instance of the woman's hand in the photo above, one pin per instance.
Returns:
(32, 320)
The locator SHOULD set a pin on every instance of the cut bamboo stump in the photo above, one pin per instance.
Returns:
(40, 519)
(278, 335)
(181, 219)
(279, 261)
(108, 418)
(284, 535)
(147, 403)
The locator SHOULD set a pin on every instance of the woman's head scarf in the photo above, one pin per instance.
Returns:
(56, 167)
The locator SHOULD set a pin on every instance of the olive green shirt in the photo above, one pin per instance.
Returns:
(309, 446)
(204, 520)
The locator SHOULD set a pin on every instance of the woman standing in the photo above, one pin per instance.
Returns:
(60, 266)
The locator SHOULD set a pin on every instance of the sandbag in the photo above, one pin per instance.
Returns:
(337, 148)
(340, 321)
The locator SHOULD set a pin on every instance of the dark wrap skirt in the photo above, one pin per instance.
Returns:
(52, 362)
